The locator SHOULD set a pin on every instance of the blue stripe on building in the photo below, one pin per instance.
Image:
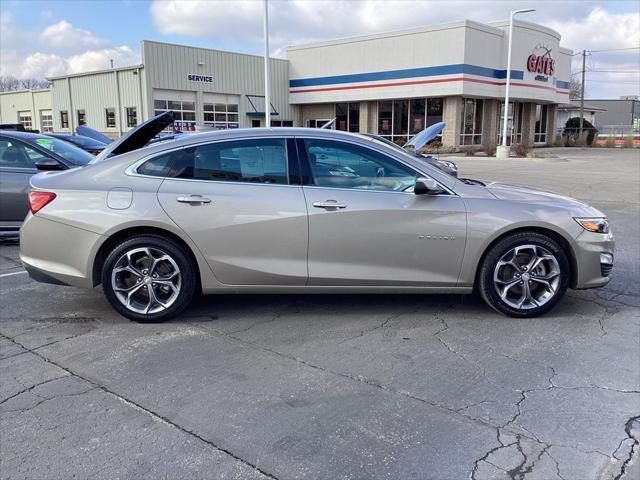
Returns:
(459, 68)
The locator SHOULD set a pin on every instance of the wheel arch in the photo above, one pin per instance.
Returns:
(553, 234)
(121, 235)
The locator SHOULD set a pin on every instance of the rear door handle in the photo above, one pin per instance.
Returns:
(193, 199)
(329, 205)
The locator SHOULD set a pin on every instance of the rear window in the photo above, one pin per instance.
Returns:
(70, 153)
(157, 166)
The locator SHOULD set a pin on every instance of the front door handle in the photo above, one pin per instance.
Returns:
(329, 205)
(193, 199)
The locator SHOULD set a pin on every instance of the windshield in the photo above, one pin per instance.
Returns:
(70, 153)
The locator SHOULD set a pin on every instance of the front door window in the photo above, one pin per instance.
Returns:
(345, 165)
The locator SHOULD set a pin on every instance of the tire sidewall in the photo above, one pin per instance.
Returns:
(486, 284)
(182, 259)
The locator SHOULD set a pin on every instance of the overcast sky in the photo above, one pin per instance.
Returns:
(45, 38)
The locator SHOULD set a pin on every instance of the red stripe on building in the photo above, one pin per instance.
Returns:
(424, 82)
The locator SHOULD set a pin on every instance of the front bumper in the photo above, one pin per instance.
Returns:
(594, 259)
(53, 252)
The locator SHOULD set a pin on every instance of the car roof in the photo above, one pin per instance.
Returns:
(200, 137)
(22, 135)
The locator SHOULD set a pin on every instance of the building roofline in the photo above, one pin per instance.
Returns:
(528, 25)
(211, 50)
(94, 72)
(489, 27)
(26, 90)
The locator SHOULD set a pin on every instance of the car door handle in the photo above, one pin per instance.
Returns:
(329, 204)
(193, 199)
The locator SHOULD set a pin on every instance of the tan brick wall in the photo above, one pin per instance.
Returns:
(490, 122)
(452, 117)
(316, 111)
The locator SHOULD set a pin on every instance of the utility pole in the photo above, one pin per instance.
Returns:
(584, 54)
(267, 100)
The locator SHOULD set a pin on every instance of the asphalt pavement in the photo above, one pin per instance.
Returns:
(336, 386)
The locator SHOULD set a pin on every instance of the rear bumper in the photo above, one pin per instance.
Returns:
(592, 271)
(53, 252)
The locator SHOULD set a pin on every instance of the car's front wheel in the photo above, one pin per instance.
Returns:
(524, 274)
(149, 278)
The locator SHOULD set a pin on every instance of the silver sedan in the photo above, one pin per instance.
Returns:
(301, 210)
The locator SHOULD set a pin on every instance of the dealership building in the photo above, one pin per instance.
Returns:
(392, 84)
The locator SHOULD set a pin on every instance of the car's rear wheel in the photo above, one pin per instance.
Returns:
(149, 278)
(524, 274)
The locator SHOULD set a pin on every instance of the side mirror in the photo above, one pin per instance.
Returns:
(48, 164)
(427, 186)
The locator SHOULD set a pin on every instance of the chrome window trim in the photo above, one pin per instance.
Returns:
(377, 150)
(132, 170)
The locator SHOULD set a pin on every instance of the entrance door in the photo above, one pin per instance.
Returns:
(514, 123)
(366, 227)
(234, 199)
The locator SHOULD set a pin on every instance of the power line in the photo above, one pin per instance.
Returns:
(613, 71)
(613, 50)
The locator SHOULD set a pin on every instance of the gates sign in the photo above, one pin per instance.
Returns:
(541, 64)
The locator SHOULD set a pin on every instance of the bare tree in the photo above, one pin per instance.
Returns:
(9, 83)
(575, 88)
(32, 83)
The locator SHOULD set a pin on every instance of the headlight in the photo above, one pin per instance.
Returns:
(594, 224)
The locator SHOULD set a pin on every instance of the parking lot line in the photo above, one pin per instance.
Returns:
(12, 273)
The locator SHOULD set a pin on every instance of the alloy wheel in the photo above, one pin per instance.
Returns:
(146, 280)
(527, 277)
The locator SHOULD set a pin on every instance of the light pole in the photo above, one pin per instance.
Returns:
(267, 102)
(502, 151)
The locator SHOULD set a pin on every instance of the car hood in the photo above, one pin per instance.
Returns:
(517, 193)
(425, 136)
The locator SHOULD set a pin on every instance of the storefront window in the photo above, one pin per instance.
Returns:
(435, 107)
(221, 116)
(385, 116)
(64, 119)
(399, 120)
(417, 118)
(540, 135)
(82, 118)
(348, 117)
(471, 128)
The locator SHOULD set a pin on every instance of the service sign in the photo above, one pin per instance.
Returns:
(192, 77)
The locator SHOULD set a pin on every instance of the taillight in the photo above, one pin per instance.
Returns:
(37, 200)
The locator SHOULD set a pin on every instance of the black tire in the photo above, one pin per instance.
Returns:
(488, 290)
(184, 262)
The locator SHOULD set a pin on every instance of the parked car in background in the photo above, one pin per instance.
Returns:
(300, 210)
(417, 142)
(93, 133)
(21, 156)
(94, 147)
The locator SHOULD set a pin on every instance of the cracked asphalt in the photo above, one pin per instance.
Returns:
(337, 386)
